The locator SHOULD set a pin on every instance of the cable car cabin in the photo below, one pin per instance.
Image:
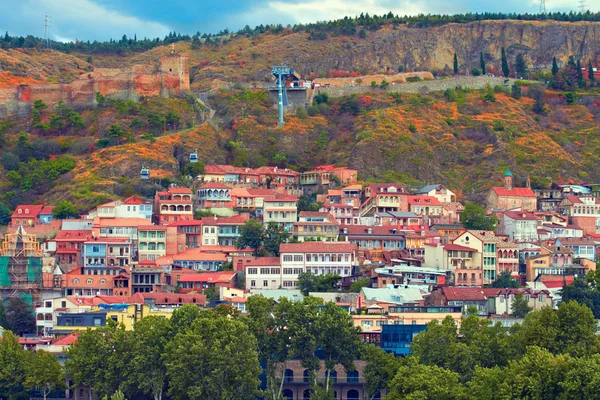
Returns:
(145, 173)
(194, 157)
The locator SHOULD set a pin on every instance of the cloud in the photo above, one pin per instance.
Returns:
(312, 10)
(82, 19)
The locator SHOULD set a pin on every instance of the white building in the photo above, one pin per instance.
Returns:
(132, 207)
(315, 257)
(282, 209)
(521, 226)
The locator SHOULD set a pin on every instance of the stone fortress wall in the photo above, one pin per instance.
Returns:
(167, 77)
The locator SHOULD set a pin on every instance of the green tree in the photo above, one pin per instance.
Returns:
(306, 204)
(455, 64)
(519, 306)
(474, 217)
(482, 63)
(19, 316)
(581, 381)
(156, 123)
(39, 105)
(252, 235)
(425, 382)
(85, 360)
(537, 92)
(570, 97)
(308, 282)
(24, 149)
(44, 372)
(505, 69)
(515, 91)
(147, 370)
(215, 358)
(3, 321)
(13, 367)
(488, 94)
(64, 210)
(36, 117)
(380, 370)
(554, 66)
(357, 286)
(5, 214)
(505, 280)
(115, 133)
(172, 119)
(579, 73)
(274, 236)
(521, 68)
(100, 100)
(476, 72)
(590, 71)
(584, 292)
(338, 340)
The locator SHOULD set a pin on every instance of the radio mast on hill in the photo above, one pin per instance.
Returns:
(47, 24)
(542, 6)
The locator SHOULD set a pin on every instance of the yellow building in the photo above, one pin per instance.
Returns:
(126, 314)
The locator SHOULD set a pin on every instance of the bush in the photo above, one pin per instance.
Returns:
(498, 125)
(412, 127)
(301, 113)
(413, 79)
(497, 89)
(313, 110)
(476, 72)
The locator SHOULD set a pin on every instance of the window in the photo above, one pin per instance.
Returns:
(89, 281)
(298, 258)
(252, 283)
(48, 304)
(287, 258)
(75, 281)
(252, 271)
(102, 281)
(308, 257)
(97, 321)
(265, 283)
(264, 271)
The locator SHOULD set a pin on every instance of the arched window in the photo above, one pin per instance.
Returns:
(48, 317)
(333, 377)
(40, 317)
(353, 377)
(352, 394)
(288, 394)
(306, 376)
(306, 394)
(288, 376)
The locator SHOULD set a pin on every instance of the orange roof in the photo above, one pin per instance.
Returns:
(134, 200)
(282, 197)
(264, 262)
(27, 210)
(179, 190)
(236, 299)
(423, 200)
(212, 277)
(168, 298)
(70, 235)
(122, 222)
(66, 340)
(518, 192)
(317, 247)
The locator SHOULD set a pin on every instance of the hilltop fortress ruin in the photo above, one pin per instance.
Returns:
(167, 77)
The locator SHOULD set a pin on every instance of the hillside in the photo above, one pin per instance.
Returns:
(249, 58)
(456, 138)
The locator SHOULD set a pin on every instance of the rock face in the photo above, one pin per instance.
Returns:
(168, 77)
(434, 48)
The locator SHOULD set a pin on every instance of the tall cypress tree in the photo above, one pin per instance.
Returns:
(590, 71)
(455, 64)
(482, 63)
(554, 66)
(521, 66)
(505, 69)
(579, 72)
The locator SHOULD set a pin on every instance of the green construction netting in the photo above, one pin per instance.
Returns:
(27, 298)
(34, 270)
(4, 278)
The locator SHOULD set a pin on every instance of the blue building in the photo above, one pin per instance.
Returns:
(397, 338)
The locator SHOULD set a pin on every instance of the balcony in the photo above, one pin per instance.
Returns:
(305, 380)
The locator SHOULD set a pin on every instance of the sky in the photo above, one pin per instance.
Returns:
(105, 19)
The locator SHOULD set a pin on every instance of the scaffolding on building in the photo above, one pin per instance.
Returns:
(20, 266)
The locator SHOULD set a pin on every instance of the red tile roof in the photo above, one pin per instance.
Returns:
(261, 192)
(180, 190)
(314, 214)
(46, 210)
(518, 192)
(317, 247)
(281, 197)
(66, 340)
(463, 294)
(72, 235)
(134, 200)
(215, 185)
(212, 277)
(423, 200)
(264, 262)
(521, 215)
(192, 222)
(375, 230)
(27, 210)
(383, 187)
(577, 199)
(168, 298)
(456, 247)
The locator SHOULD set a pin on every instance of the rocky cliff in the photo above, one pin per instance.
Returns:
(167, 77)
